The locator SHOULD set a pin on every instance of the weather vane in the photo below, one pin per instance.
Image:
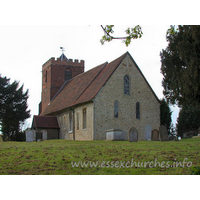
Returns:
(62, 49)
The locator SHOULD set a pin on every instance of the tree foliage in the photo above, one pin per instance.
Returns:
(131, 33)
(13, 108)
(188, 120)
(165, 114)
(181, 65)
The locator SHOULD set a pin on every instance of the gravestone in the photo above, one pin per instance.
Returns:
(30, 135)
(133, 135)
(155, 135)
(163, 133)
(148, 129)
(44, 134)
(115, 135)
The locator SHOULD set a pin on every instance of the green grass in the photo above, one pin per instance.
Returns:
(55, 157)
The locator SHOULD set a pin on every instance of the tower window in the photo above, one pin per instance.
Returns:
(46, 76)
(137, 110)
(126, 85)
(116, 109)
(68, 74)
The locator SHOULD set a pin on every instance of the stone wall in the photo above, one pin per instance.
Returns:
(80, 133)
(63, 121)
(84, 134)
(113, 90)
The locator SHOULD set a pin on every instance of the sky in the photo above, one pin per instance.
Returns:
(25, 48)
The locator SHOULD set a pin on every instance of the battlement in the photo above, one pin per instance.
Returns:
(70, 62)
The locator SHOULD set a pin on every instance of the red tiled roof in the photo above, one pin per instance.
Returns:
(45, 122)
(82, 88)
(85, 87)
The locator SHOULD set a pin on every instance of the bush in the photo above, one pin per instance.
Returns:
(20, 136)
(188, 120)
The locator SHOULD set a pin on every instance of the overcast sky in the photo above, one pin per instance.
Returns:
(31, 32)
(25, 48)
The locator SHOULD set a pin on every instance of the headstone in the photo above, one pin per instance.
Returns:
(155, 135)
(148, 129)
(115, 135)
(188, 134)
(38, 135)
(34, 135)
(163, 133)
(133, 135)
(29, 135)
(44, 134)
(198, 131)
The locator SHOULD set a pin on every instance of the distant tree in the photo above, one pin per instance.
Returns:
(181, 65)
(13, 108)
(131, 33)
(165, 114)
(188, 120)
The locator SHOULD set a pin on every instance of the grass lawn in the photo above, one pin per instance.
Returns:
(119, 157)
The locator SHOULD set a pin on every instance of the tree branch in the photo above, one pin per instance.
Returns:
(132, 33)
(118, 38)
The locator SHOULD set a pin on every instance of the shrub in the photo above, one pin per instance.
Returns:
(20, 136)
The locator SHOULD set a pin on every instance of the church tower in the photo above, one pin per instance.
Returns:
(54, 74)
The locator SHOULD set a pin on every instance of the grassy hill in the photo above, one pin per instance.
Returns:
(99, 157)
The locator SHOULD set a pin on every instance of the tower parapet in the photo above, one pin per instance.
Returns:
(55, 72)
(58, 61)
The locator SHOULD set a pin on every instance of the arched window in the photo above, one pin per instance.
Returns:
(68, 74)
(126, 85)
(116, 109)
(46, 76)
(70, 121)
(137, 110)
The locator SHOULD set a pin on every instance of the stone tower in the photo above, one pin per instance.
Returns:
(54, 74)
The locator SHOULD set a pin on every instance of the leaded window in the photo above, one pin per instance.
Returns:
(77, 119)
(46, 76)
(84, 118)
(137, 110)
(116, 109)
(70, 121)
(68, 74)
(126, 85)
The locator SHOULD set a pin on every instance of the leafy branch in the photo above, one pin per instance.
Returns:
(132, 33)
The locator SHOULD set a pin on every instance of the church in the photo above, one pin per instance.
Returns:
(78, 105)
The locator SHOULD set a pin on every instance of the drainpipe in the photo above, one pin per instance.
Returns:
(73, 121)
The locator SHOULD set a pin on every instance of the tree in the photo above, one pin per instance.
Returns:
(181, 71)
(13, 108)
(165, 114)
(132, 33)
(188, 120)
(181, 65)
